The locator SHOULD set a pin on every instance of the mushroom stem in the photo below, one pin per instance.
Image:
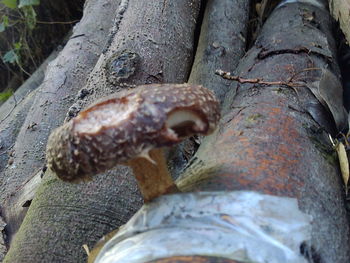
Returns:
(152, 175)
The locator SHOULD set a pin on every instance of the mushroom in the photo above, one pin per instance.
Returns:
(132, 129)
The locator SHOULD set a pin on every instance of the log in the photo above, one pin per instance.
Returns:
(12, 114)
(156, 40)
(64, 77)
(221, 45)
(266, 186)
(14, 111)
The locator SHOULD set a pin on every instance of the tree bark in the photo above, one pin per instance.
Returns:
(14, 111)
(222, 43)
(64, 77)
(273, 139)
(158, 50)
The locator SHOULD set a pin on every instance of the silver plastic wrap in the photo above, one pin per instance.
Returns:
(319, 3)
(239, 225)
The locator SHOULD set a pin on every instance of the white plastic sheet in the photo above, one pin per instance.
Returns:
(239, 225)
(318, 3)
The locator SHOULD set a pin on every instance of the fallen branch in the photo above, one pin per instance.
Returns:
(289, 83)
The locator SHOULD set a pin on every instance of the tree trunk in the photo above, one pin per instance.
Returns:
(158, 50)
(222, 43)
(14, 111)
(64, 77)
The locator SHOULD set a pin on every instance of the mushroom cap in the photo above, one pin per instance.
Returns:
(120, 128)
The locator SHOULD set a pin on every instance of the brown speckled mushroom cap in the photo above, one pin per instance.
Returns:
(118, 129)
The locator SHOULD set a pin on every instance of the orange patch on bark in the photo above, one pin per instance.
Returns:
(266, 157)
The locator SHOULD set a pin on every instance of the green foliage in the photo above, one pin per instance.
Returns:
(13, 56)
(26, 17)
(30, 16)
(4, 23)
(10, 3)
(10, 57)
(23, 3)
(5, 95)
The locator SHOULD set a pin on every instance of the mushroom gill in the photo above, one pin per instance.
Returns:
(185, 123)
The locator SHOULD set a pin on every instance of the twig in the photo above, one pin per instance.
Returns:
(289, 83)
(305, 69)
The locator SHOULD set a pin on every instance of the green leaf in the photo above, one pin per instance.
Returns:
(10, 57)
(23, 3)
(10, 3)
(30, 15)
(5, 95)
(4, 23)
(17, 45)
(5, 20)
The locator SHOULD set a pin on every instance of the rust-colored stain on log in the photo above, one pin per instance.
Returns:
(195, 259)
(260, 149)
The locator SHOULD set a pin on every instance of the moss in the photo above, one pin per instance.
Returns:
(5, 95)
(280, 90)
(317, 136)
(252, 119)
(305, 125)
(326, 151)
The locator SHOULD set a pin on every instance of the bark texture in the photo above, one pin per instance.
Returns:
(151, 41)
(221, 45)
(14, 111)
(273, 139)
(64, 77)
(144, 50)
